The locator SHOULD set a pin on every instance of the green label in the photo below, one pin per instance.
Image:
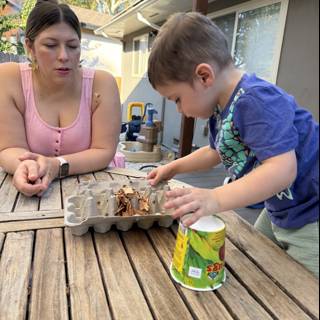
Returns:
(199, 258)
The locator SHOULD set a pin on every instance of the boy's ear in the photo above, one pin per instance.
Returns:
(205, 74)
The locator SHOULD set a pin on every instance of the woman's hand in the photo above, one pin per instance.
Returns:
(165, 172)
(43, 171)
(27, 179)
(190, 204)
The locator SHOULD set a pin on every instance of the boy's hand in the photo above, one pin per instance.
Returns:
(165, 172)
(192, 201)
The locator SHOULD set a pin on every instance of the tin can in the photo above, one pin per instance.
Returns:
(199, 255)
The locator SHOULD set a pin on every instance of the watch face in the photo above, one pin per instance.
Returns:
(64, 169)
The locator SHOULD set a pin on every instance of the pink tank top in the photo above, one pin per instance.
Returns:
(52, 141)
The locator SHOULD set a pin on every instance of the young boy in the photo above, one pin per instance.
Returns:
(268, 144)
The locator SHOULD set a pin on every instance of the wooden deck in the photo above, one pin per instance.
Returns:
(47, 273)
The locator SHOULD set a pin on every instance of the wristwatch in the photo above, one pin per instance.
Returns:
(64, 167)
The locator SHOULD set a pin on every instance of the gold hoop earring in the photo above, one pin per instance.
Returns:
(33, 64)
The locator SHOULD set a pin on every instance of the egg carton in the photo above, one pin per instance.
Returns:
(95, 205)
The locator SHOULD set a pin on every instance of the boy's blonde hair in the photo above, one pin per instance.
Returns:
(183, 42)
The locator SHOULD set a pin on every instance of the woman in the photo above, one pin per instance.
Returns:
(56, 118)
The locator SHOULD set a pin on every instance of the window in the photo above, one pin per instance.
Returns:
(254, 32)
(140, 56)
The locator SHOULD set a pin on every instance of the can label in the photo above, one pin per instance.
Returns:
(180, 249)
(198, 260)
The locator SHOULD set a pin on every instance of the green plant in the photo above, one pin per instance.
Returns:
(26, 8)
(106, 6)
(14, 21)
(87, 4)
(7, 23)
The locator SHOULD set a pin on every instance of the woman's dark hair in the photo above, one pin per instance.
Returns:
(47, 13)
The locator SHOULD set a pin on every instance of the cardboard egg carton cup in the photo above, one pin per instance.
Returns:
(103, 204)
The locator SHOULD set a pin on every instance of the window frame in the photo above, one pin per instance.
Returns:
(252, 5)
(141, 73)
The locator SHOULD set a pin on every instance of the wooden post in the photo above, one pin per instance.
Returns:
(187, 124)
(200, 6)
(186, 136)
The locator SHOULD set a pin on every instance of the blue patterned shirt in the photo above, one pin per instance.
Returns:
(261, 121)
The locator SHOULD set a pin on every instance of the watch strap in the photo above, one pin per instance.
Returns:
(63, 168)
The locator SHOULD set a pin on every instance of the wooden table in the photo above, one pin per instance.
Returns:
(46, 273)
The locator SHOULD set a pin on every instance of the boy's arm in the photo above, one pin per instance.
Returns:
(204, 158)
(273, 176)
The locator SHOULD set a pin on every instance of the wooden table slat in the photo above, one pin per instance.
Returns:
(126, 298)
(261, 286)
(89, 177)
(49, 294)
(2, 175)
(87, 295)
(15, 266)
(31, 215)
(102, 176)
(25, 203)
(8, 194)
(126, 172)
(2, 235)
(68, 186)
(277, 265)
(162, 295)
(205, 305)
(51, 199)
(31, 225)
(120, 178)
(238, 299)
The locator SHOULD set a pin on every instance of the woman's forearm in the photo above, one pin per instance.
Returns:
(89, 160)
(204, 158)
(9, 159)
(80, 162)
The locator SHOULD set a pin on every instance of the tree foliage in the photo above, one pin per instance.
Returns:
(87, 4)
(17, 22)
(26, 9)
(110, 7)
(8, 23)
(103, 6)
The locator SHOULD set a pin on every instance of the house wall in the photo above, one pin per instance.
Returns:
(101, 53)
(136, 89)
(298, 71)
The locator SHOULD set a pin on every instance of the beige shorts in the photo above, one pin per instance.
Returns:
(301, 244)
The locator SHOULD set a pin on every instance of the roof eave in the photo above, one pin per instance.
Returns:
(124, 14)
